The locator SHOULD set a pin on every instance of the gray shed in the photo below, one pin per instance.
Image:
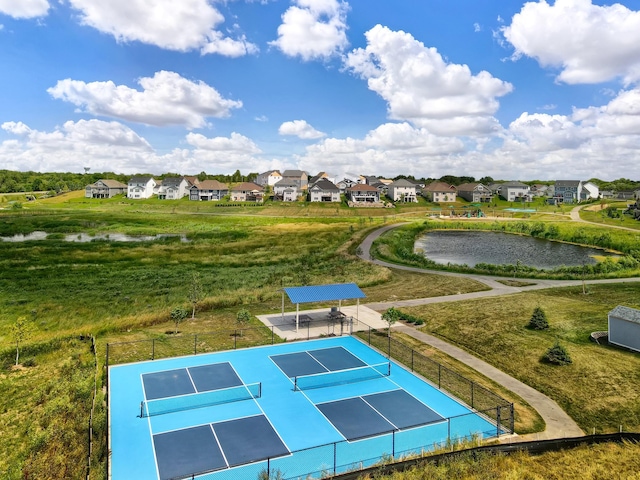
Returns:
(624, 327)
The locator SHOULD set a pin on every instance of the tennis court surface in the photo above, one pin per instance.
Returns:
(300, 409)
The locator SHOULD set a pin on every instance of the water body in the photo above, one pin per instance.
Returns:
(85, 237)
(473, 247)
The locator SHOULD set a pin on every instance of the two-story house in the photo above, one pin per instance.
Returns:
(300, 178)
(402, 190)
(105, 189)
(247, 192)
(173, 188)
(324, 191)
(515, 192)
(362, 193)
(474, 192)
(567, 191)
(140, 187)
(286, 190)
(269, 178)
(440, 192)
(208, 190)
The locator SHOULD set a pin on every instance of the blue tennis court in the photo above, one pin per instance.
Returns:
(302, 409)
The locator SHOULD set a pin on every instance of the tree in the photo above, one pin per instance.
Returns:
(243, 317)
(538, 320)
(22, 329)
(178, 314)
(390, 316)
(557, 355)
(195, 292)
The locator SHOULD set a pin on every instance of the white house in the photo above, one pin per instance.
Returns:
(173, 188)
(515, 192)
(324, 191)
(105, 188)
(590, 191)
(140, 187)
(269, 178)
(403, 190)
(624, 327)
(286, 190)
(363, 194)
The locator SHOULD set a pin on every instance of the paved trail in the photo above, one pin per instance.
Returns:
(558, 423)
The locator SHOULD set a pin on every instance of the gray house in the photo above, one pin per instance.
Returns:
(474, 192)
(209, 190)
(624, 327)
(324, 191)
(105, 189)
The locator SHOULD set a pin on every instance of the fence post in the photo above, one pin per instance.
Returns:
(369, 335)
(472, 383)
(195, 344)
(449, 429)
(412, 359)
(389, 337)
(393, 444)
(439, 369)
(513, 420)
(272, 335)
(498, 421)
(335, 458)
(153, 349)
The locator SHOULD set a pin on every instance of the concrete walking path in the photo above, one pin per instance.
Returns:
(558, 423)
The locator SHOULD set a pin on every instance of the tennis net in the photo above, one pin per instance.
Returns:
(341, 377)
(160, 406)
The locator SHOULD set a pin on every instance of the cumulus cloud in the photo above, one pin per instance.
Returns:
(24, 8)
(165, 99)
(420, 87)
(300, 129)
(313, 29)
(173, 25)
(589, 43)
(112, 146)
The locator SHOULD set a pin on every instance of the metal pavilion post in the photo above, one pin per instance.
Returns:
(297, 316)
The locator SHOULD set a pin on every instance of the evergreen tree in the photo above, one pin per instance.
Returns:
(538, 320)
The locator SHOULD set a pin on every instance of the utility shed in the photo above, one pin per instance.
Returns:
(624, 327)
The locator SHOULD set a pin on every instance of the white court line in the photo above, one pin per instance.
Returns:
(215, 436)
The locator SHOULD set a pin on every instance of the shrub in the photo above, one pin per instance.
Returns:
(538, 320)
(557, 355)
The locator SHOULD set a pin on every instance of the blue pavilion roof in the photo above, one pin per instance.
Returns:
(324, 293)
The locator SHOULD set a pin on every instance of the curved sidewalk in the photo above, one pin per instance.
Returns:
(558, 423)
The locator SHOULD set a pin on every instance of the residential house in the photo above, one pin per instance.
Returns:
(567, 191)
(247, 192)
(402, 190)
(440, 192)
(345, 183)
(173, 188)
(474, 192)
(140, 187)
(590, 191)
(105, 189)
(192, 179)
(300, 178)
(324, 191)
(607, 194)
(382, 187)
(625, 195)
(269, 178)
(208, 190)
(362, 193)
(539, 190)
(286, 190)
(320, 176)
(515, 192)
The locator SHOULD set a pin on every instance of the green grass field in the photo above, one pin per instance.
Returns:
(121, 291)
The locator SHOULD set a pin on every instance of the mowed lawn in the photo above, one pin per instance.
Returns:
(599, 389)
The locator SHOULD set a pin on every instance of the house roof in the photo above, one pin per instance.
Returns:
(271, 172)
(514, 184)
(567, 183)
(440, 187)
(324, 293)
(112, 183)
(285, 183)
(626, 313)
(247, 187)
(361, 187)
(172, 181)
(293, 173)
(140, 179)
(402, 182)
(468, 187)
(326, 185)
(211, 185)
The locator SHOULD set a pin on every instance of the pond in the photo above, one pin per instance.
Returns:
(85, 237)
(473, 247)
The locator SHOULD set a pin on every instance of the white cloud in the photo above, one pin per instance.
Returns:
(589, 43)
(313, 29)
(300, 129)
(173, 25)
(420, 87)
(477, 27)
(236, 143)
(24, 8)
(165, 99)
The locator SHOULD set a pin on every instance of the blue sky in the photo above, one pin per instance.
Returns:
(508, 89)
